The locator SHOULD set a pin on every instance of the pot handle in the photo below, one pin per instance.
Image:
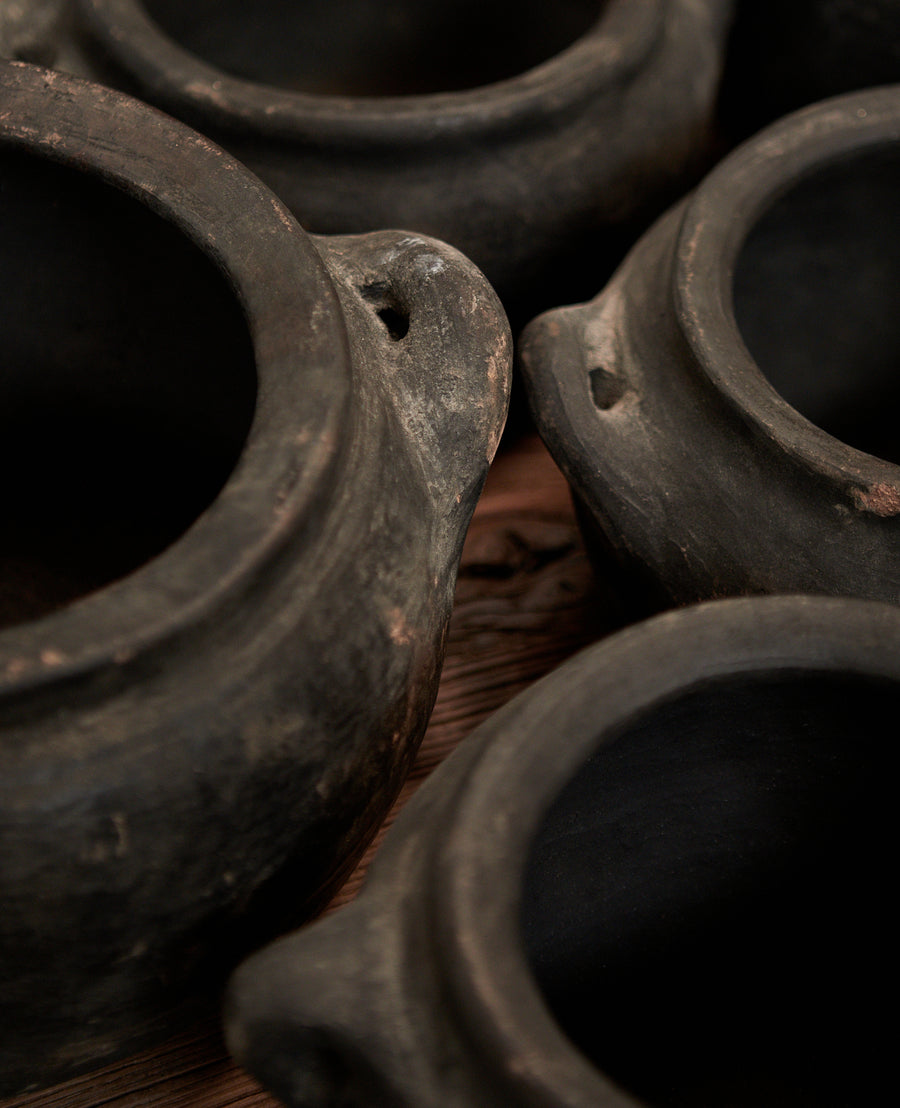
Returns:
(333, 1014)
(350, 1009)
(579, 380)
(296, 1013)
(426, 320)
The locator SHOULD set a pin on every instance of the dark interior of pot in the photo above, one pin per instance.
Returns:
(359, 48)
(128, 386)
(815, 299)
(707, 906)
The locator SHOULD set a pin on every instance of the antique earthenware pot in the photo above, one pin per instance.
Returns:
(240, 464)
(512, 130)
(724, 408)
(782, 56)
(656, 877)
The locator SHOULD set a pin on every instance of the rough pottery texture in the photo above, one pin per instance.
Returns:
(246, 462)
(654, 878)
(518, 133)
(723, 409)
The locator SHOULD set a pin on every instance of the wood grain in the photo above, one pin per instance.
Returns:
(526, 599)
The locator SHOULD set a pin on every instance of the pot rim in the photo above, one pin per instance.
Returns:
(719, 217)
(604, 56)
(290, 309)
(474, 890)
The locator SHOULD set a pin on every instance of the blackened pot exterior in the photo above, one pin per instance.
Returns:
(702, 478)
(686, 824)
(518, 173)
(194, 754)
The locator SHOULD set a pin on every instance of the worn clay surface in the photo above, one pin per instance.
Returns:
(722, 408)
(653, 878)
(525, 600)
(196, 749)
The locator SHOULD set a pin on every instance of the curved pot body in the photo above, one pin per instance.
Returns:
(655, 877)
(512, 131)
(246, 462)
(722, 408)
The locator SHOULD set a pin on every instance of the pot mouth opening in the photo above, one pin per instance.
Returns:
(704, 906)
(814, 293)
(169, 409)
(359, 49)
(786, 261)
(128, 391)
(683, 836)
(359, 70)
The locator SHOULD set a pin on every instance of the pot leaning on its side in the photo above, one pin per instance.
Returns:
(660, 876)
(240, 466)
(724, 409)
(514, 131)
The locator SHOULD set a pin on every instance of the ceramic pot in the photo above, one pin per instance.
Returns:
(244, 461)
(723, 409)
(511, 131)
(783, 56)
(655, 877)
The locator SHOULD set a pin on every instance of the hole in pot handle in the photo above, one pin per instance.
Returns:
(430, 327)
(393, 314)
(607, 388)
(580, 347)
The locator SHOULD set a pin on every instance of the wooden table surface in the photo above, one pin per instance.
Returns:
(525, 600)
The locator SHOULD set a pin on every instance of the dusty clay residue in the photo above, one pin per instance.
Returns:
(881, 499)
(401, 631)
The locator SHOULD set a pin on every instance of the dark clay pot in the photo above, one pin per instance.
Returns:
(784, 54)
(509, 129)
(656, 877)
(724, 409)
(241, 463)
